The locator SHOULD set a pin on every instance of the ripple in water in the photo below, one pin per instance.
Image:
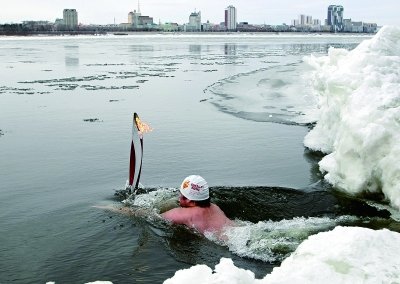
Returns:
(279, 95)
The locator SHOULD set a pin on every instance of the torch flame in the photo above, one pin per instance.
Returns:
(142, 126)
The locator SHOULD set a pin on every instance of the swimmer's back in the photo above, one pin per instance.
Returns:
(202, 219)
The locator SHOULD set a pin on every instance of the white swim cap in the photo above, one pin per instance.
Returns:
(195, 188)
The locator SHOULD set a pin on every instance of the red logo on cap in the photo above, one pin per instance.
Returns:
(196, 187)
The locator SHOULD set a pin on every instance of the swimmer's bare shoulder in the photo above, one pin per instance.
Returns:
(177, 215)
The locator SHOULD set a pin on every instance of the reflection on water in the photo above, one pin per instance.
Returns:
(304, 48)
(195, 48)
(71, 55)
(139, 48)
(230, 49)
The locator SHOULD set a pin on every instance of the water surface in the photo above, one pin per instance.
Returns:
(226, 107)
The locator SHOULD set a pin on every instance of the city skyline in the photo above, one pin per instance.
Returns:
(255, 11)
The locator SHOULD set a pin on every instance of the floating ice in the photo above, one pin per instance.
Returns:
(358, 96)
(343, 255)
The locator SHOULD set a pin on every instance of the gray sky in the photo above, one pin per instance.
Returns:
(383, 12)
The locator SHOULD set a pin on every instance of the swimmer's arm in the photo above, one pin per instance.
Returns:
(125, 210)
(176, 215)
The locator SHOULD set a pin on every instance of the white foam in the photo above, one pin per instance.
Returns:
(358, 127)
(343, 255)
(273, 241)
(152, 199)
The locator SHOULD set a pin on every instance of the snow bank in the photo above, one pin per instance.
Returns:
(343, 255)
(358, 96)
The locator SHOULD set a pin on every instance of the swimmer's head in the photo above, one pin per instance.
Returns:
(195, 188)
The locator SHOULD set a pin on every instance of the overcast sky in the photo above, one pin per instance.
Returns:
(383, 12)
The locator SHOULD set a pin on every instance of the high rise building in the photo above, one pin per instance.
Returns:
(194, 22)
(133, 18)
(335, 17)
(130, 17)
(316, 22)
(302, 20)
(70, 17)
(309, 20)
(230, 18)
(137, 21)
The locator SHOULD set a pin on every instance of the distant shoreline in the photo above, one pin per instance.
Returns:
(127, 33)
(51, 33)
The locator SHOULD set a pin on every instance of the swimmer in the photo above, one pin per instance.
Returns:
(196, 210)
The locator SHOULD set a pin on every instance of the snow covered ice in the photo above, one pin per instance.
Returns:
(358, 95)
(343, 255)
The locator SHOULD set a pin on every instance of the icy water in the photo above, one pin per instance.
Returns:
(232, 108)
